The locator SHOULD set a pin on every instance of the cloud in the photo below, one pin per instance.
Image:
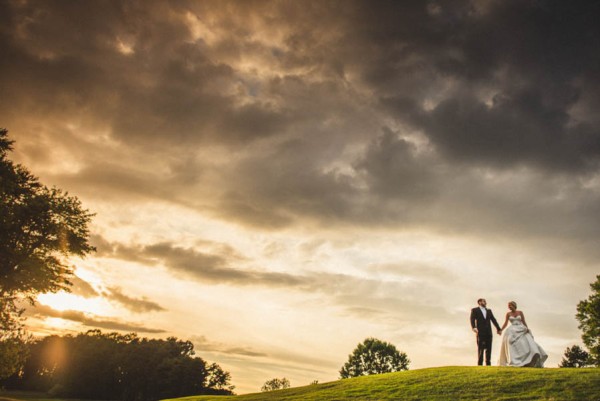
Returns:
(374, 295)
(390, 293)
(515, 129)
(394, 169)
(44, 311)
(371, 119)
(217, 268)
(386, 116)
(207, 266)
(83, 288)
(413, 271)
(498, 98)
(281, 189)
(167, 86)
(201, 343)
(138, 305)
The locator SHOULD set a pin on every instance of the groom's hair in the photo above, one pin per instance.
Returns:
(479, 300)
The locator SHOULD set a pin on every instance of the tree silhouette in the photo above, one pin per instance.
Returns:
(40, 228)
(275, 384)
(372, 357)
(575, 357)
(588, 315)
(95, 365)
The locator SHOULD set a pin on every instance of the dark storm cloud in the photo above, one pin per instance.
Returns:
(509, 78)
(286, 183)
(394, 170)
(43, 311)
(133, 304)
(271, 114)
(162, 89)
(516, 129)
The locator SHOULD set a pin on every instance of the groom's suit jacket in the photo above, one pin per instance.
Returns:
(483, 324)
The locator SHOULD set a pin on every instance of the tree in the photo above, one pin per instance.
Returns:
(372, 357)
(575, 357)
(13, 353)
(275, 384)
(13, 347)
(40, 228)
(588, 315)
(218, 379)
(99, 366)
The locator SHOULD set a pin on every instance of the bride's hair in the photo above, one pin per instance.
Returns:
(513, 303)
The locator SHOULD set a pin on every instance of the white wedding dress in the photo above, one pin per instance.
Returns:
(519, 348)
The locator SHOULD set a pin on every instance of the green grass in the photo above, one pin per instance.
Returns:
(447, 383)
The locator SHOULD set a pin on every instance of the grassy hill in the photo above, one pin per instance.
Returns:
(447, 383)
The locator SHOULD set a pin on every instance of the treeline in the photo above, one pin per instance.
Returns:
(99, 366)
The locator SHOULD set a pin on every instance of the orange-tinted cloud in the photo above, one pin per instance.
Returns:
(42, 311)
(138, 305)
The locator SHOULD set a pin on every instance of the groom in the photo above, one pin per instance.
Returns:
(481, 319)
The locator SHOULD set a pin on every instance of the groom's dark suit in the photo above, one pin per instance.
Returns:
(484, 333)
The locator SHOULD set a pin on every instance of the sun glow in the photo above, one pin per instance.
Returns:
(63, 301)
(54, 325)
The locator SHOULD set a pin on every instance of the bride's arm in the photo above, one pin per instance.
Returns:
(505, 322)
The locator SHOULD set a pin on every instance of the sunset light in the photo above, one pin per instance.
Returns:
(277, 181)
(64, 301)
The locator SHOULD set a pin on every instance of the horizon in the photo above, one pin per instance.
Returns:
(277, 181)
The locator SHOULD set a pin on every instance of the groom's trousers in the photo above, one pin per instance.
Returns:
(484, 346)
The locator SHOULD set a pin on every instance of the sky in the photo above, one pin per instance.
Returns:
(277, 181)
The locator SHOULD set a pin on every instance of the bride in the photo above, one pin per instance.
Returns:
(518, 347)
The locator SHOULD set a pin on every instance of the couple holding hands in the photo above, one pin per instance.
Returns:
(518, 347)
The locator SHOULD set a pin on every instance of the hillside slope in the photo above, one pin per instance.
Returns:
(446, 383)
